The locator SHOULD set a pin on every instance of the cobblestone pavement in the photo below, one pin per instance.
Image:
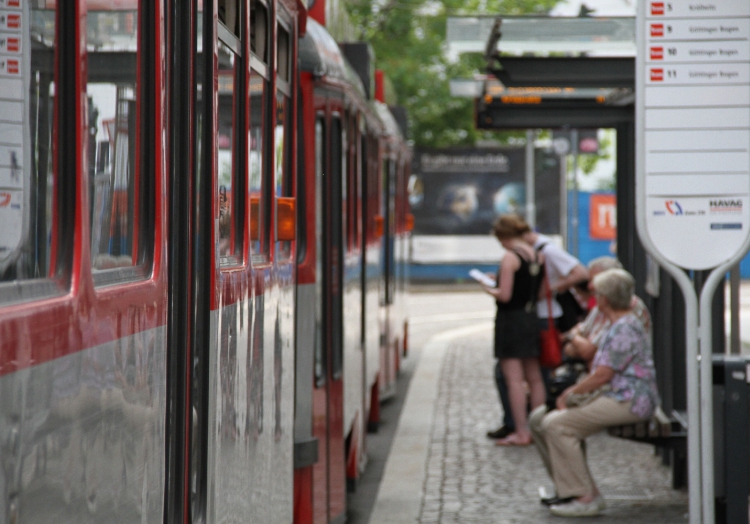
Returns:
(470, 480)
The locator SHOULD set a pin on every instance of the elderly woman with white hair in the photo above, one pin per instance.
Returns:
(620, 389)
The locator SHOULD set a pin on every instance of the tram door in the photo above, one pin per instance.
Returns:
(329, 490)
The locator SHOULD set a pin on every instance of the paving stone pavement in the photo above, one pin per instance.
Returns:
(470, 480)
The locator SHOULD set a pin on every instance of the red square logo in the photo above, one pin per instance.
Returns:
(657, 75)
(657, 53)
(657, 30)
(14, 21)
(13, 68)
(14, 3)
(657, 8)
(14, 45)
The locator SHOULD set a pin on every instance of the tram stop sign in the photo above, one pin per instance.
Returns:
(693, 128)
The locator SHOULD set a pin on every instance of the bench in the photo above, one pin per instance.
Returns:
(667, 432)
(658, 429)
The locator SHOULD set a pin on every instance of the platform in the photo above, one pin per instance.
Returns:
(442, 468)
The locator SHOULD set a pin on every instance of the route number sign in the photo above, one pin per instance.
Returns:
(693, 127)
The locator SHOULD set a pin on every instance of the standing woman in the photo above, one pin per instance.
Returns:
(517, 325)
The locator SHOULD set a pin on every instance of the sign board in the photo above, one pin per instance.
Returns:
(693, 128)
(15, 147)
(603, 217)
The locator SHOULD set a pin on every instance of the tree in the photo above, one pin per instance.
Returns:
(408, 37)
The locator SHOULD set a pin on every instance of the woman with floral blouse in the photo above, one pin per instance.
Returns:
(624, 377)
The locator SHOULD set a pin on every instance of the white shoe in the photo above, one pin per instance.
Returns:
(575, 508)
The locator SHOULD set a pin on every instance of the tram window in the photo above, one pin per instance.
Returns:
(354, 175)
(260, 164)
(284, 54)
(361, 184)
(320, 149)
(343, 155)
(230, 225)
(229, 15)
(283, 148)
(120, 182)
(389, 205)
(282, 161)
(27, 176)
(259, 31)
(348, 177)
(336, 245)
(257, 185)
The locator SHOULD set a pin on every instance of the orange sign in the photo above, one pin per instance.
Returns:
(603, 217)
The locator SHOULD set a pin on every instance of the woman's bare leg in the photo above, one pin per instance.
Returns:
(533, 373)
(513, 370)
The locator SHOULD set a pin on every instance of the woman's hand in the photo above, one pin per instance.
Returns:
(494, 291)
(561, 400)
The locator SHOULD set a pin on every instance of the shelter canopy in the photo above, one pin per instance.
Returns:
(544, 36)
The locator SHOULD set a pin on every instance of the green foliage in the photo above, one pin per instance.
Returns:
(587, 163)
(408, 37)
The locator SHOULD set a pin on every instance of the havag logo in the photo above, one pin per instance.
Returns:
(673, 207)
(725, 206)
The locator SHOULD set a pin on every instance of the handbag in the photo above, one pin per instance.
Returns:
(572, 312)
(550, 350)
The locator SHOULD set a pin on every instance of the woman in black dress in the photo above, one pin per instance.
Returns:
(516, 324)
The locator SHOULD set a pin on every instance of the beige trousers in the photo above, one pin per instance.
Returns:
(562, 434)
(540, 439)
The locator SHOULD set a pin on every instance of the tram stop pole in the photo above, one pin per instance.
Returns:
(530, 179)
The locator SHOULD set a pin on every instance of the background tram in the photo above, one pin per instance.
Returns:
(202, 263)
(351, 274)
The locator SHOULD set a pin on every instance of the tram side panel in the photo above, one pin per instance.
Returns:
(323, 135)
(389, 361)
(308, 343)
(250, 382)
(401, 252)
(352, 309)
(82, 306)
(393, 155)
(372, 278)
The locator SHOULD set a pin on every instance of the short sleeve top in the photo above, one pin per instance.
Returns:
(558, 263)
(596, 324)
(626, 349)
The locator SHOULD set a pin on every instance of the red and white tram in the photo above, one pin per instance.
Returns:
(202, 263)
(351, 274)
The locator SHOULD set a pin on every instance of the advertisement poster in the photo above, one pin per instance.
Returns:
(462, 191)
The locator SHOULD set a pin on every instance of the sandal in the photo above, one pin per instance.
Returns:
(514, 440)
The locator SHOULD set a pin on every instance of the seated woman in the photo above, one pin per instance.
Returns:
(623, 369)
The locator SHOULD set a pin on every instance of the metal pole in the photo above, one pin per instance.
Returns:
(734, 310)
(574, 206)
(563, 194)
(693, 391)
(706, 389)
(530, 182)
